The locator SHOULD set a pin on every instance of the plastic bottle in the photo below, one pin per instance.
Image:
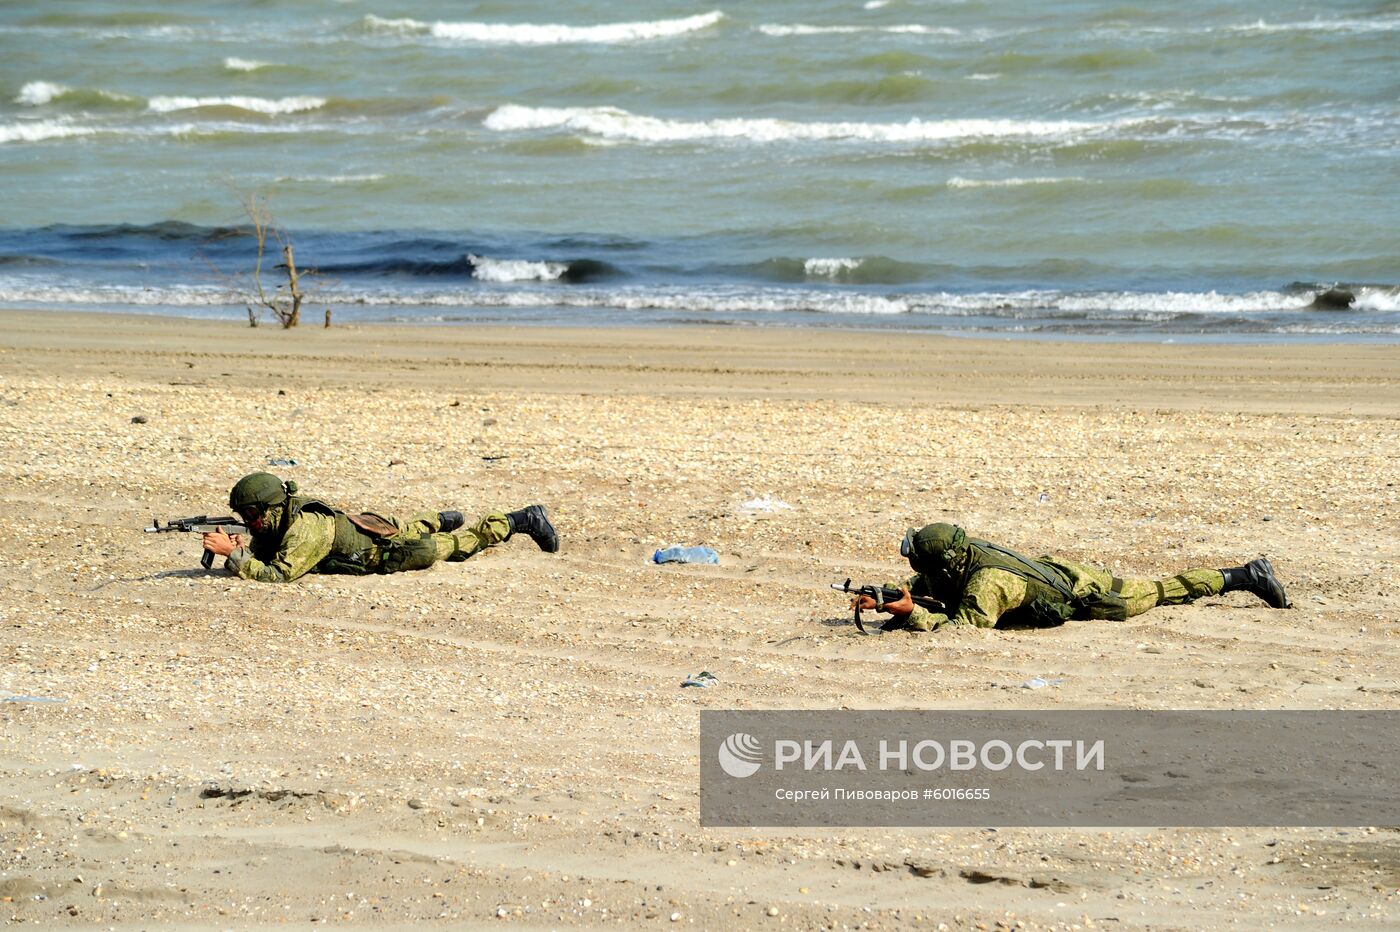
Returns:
(685, 555)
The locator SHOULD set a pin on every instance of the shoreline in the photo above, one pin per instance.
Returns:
(1355, 379)
(1128, 330)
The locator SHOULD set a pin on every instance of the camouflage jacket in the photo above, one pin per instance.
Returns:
(310, 536)
(988, 595)
(307, 542)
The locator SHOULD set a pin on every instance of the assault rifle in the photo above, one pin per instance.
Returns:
(200, 524)
(881, 595)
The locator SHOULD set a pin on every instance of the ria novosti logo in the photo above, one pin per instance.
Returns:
(740, 755)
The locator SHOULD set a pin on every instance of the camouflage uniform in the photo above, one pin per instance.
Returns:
(983, 584)
(309, 536)
(991, 594)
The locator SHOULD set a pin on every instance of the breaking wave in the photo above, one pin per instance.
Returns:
(1383, 24)
(721, 299)
(253, 104)
(330, 179)
(41, 130)
(958, 182)
(41, 93)
(516, 270)
(544, 33)
(617, 124)
(245, 64)
(830, 268)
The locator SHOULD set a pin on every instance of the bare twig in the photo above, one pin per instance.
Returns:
(285, 308)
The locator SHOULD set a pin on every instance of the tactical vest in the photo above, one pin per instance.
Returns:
(1049, 599)
(1042, 580)
(351, 551)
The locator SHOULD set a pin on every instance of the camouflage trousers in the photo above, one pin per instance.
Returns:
(455, 546)
(1143, 594)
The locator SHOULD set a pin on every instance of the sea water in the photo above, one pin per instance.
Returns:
(1076, 168)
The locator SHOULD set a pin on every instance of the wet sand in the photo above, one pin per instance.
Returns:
(505, 740)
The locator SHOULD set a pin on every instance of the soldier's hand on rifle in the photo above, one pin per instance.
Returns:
(900, 608)
(219, 542)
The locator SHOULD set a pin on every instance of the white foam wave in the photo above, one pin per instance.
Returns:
(515, 270)
(132, 295)
(245, 64)
(995, 76)
(328, 179)
(1180, 302)
(39, 93)
(254, 104)
(799, 29)
(1320, 25)
(547, 33)
(39, 131)
(614, 123)
(958, 182)
(400, 26)
(829, 268)
(1377, 299)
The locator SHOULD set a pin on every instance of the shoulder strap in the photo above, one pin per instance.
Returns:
(1025, 568)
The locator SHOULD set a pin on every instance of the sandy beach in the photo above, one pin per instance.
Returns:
(505, 741)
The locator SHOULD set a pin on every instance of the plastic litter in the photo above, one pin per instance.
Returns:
(766, 503)
(685, 555)
(281, 461)
(31, 699)
(1036, 682)
(702, 680)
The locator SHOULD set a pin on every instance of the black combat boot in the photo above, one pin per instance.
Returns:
(1256, 576)
(449, 521)
(533, 521)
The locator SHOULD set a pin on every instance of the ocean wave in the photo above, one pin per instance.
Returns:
(515, 270)
(329, 179)
(40, 93)
(253, 104)
(959, 182)
(1351, 26)
(1384, 24)
(470, 265)
(20, 292)
(799, 29)
(1380, 299)
(614, 123)
(45, 130)
(245, 64)
(41, 130)
(544, 33)
(1146, 307)
(830, 268)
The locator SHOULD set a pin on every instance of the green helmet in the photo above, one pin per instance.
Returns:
(260, 488)
(935, 549)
